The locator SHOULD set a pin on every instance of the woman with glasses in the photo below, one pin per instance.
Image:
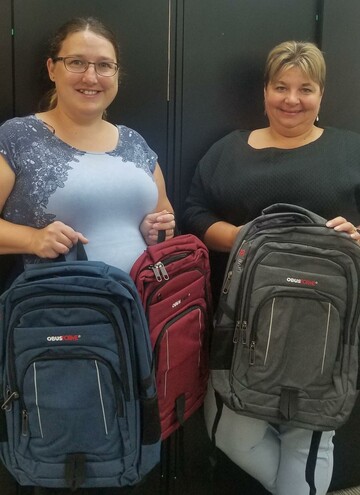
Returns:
(69, 175)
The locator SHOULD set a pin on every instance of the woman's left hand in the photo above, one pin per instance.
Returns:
(342, 225)
(154, 222)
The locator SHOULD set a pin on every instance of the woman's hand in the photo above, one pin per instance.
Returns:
(342, 225)
(154, 222)
(55, 239)
(220, 236)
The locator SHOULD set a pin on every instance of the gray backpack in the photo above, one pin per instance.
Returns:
(285, 346)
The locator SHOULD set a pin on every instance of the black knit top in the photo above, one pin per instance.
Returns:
(234, 182)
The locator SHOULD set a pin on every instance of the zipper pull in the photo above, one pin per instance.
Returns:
(236, 332)
(156, 272)
(24, 423)
(163, 271)
(227, 282)
(252, 353)
(244, 333)
(6, 406)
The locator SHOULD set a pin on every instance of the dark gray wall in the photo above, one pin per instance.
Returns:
(6, 62)
(224, 45)
(341, 44)
(142, 30)
(193, 68)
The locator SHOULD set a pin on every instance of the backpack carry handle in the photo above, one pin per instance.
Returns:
(55, 266)
(161, 236)
(288, 208)
(78, 250)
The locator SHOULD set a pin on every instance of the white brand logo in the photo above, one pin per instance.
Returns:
(301, 281)
(61, 338)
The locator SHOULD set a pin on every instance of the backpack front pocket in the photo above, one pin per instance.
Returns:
(294, 339)
(181, 361)
(180, 346)
(71, 404)
(291, 320)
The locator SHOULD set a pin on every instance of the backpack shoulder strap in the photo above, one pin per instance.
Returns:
(219, 408)
(311, 461)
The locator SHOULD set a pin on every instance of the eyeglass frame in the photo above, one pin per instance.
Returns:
(63, 59)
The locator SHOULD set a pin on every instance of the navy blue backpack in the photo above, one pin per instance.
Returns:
(77, 388)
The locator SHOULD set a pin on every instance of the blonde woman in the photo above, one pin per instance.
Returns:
(294, 161)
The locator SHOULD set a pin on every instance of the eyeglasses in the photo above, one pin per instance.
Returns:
(78, 65)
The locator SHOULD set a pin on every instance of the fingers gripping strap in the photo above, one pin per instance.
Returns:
(78, 249)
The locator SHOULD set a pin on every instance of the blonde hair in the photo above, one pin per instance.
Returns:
(304, 55)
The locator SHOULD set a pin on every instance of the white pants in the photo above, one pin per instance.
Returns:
(275, 457)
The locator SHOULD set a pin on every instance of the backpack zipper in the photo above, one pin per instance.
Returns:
(159, 268)
(159, 271)
(9, 397)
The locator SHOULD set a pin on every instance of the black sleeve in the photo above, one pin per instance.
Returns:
(202, 204)
(198, 215)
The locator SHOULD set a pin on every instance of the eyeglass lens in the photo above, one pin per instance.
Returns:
(78, 65)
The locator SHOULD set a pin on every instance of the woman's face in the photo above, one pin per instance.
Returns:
(292, 102)
(87, 93)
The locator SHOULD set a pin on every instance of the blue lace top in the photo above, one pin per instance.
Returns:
(104, 196)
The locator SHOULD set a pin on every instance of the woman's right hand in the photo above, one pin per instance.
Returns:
(54, 239)
(342, 225)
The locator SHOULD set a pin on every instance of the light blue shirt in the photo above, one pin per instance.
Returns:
(105, 196)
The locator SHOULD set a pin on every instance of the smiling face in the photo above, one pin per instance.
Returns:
(292, 102)
(87, 93)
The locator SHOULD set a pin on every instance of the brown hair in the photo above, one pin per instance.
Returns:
(76, 25)
(304, 55)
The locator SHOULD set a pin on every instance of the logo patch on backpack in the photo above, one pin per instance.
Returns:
(63, 338)
(301, 281)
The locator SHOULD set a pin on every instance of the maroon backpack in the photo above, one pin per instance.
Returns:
(173, 280)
